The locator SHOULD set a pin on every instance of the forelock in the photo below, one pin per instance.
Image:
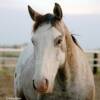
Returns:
(48, 18)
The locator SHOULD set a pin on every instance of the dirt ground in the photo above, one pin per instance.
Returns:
(6, 84)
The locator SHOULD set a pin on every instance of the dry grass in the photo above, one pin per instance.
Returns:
(6, 84)
(97, 84)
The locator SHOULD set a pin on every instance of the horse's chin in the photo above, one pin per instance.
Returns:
(50, 90)
(45, 92)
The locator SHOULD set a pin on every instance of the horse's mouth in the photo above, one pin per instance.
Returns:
(45, 92)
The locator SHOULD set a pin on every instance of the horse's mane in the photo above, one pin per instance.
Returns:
(75, 40)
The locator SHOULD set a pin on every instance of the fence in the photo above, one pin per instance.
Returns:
(94, 60)
(9, 57)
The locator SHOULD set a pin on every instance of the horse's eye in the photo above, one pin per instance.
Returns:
(32, 41)
(58, 41)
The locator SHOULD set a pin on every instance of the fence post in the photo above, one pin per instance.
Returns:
(95, 62)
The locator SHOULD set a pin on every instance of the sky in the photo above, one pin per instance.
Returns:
(81, 16)
(69, 6)
(74, 7)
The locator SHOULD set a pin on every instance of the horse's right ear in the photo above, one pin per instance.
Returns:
(34, 15)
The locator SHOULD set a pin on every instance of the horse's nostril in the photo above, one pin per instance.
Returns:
(34, 85)
(46, 82)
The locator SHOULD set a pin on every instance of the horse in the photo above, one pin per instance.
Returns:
(53, 62)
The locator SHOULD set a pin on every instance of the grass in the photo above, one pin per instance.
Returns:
(5, 71)
(6, 83)
(9, 54)
(98, 71)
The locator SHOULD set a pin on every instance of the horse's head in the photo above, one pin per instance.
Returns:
(49, 47)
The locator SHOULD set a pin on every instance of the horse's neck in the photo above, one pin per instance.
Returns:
(75, 64)
(71, 62)
(68, 73)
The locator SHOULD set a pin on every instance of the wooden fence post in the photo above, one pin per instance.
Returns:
(95, 62)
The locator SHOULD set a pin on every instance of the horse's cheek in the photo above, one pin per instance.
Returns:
(61, 57)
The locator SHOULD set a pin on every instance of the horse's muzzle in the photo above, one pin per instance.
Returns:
(41, 86)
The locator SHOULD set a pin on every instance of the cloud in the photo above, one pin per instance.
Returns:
(82, 9)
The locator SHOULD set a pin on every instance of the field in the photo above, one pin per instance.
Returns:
(6, 83)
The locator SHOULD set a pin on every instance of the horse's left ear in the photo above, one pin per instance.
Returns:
(57, 11)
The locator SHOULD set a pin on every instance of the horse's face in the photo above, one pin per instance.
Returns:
(49, 56)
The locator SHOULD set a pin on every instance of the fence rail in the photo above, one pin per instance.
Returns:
(8, 61)
(94, 58)
(10, 57)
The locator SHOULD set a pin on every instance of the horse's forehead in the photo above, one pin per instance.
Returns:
(47, 31)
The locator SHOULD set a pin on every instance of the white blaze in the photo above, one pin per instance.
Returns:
(47, 58)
